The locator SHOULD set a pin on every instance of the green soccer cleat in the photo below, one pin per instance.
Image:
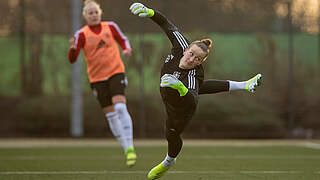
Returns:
(158, 171)
(130, 157)
(253, 83)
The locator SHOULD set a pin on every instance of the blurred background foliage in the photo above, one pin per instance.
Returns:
(250, 36)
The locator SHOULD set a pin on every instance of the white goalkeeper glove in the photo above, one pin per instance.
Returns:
(141, 10)
(169, 80)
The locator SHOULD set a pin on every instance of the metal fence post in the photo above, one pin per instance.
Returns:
(291, 72)
(76, 125)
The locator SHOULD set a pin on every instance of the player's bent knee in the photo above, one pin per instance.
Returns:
(119, 99)
(172, 135)
(108, 109)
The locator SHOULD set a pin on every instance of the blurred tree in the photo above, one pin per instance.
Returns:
(22, 37)
(34, 16)
(37, 18)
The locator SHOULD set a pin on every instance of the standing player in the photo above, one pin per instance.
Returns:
(106, 71)
(182, 80)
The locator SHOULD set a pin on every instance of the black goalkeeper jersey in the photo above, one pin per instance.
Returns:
(191, 78)
(180, 109)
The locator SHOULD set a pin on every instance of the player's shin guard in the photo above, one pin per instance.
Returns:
(126, 122)
(116, 128)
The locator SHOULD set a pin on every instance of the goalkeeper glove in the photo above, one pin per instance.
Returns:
(141, 10)
(169, 80)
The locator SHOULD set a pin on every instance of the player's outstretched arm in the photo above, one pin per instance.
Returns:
(172, 32)
(141, 10)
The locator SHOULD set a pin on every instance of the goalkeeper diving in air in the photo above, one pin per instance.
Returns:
(182, 81)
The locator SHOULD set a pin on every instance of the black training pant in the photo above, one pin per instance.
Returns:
(180, 110)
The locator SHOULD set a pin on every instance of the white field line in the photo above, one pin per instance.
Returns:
(271, 172)
(116, 157)
(68, 172)
(31, 143)
(144, 172)
(312, 145)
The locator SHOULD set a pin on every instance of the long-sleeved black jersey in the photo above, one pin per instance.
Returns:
(181, 109)
(191, 78)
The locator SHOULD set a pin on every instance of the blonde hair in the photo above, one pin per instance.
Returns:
(205, 45)
(87, 3)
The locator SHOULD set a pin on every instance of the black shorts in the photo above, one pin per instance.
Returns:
(105, 90)
(180, 110)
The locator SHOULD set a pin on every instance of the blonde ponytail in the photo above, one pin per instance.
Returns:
(207, 42)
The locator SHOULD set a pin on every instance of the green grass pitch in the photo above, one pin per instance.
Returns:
(199, 160)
